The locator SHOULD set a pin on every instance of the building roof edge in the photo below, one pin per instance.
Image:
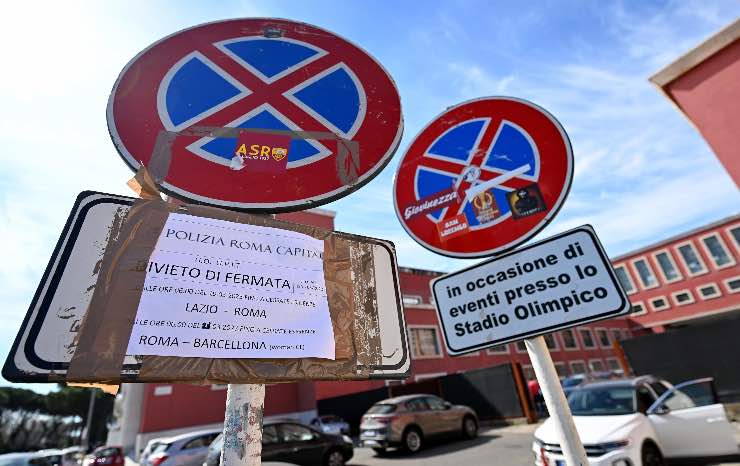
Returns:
(698, 54)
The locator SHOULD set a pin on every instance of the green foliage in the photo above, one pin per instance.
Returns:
(61, 403)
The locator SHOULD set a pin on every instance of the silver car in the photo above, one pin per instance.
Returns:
(182, 450)
(330, 424)
(411, 420)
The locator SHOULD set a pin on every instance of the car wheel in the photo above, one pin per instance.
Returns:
(469, 427)
(651, 456)
(334, 458)
(379, 451)
(411, 441)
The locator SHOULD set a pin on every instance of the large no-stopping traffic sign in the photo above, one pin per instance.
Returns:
(483, 177)
(257, 74)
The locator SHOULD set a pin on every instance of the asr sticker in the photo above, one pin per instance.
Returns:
(258, 152)
(526, 201)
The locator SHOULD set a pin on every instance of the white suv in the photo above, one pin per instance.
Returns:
(642, 421)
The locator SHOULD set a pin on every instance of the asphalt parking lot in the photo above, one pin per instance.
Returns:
(504, 446)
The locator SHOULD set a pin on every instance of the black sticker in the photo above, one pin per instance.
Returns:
(526, 201)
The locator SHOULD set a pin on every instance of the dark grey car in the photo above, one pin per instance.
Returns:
(294, 443)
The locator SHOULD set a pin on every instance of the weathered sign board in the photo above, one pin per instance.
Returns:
(183, 303)
(560, 282)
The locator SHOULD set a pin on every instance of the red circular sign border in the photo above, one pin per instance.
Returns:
(276, 207)
(551, 212)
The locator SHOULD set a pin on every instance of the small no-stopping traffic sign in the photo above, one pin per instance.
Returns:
(561, 282)
(483, 177)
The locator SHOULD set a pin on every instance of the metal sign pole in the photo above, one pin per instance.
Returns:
(243, 425)
(544, 369)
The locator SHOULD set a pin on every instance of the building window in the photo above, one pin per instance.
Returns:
(624, 278)
(690, 258)
(561, 369)
(499, 349)
(638, 309)
(734, 234)
(682, 298)
(552, 344)
(411, 300)
(645, 272)
(587, 338)
(597, 365)
(667, 266)
(603, 337)
(577, 367)
(717, 251)
(528, 372)
(521, 347)
(613, 364)
(617, 335)
(709, 291)
(659, 304)
(569, 339)
(163, 390)
(732, 284)
(424, 342)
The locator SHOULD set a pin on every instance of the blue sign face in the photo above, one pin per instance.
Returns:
(460, 146)
(197, 88)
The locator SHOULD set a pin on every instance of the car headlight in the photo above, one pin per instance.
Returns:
(611, 446)
(347, 439)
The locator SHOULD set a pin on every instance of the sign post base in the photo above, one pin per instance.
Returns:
(557, 405)
(242, 444)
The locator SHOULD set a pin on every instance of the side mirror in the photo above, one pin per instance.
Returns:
(660, 409)
(448, 405)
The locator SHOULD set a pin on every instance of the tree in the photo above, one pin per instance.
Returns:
(33, 420)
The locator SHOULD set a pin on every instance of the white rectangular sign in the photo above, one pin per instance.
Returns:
(561, 282)
(46, 340)
(220, 289)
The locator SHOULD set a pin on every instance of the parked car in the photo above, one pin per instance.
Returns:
(72, 456)
(181, 450)
(410, 421)
(148, 449)
(330, 424)
(105, 455)
(574, 381)
(642, 421)
(23, 459)
(53, 456)
(294, 443)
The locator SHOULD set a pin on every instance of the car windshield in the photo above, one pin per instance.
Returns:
(602, 401)
(381, 408)
(161, 448)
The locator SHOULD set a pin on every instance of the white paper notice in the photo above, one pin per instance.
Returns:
(218, 289)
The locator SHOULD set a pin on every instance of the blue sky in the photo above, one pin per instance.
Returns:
(641, 170)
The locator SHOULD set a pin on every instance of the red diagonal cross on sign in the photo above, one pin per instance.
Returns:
(151, 89)
(262, 92)
(486, 173)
